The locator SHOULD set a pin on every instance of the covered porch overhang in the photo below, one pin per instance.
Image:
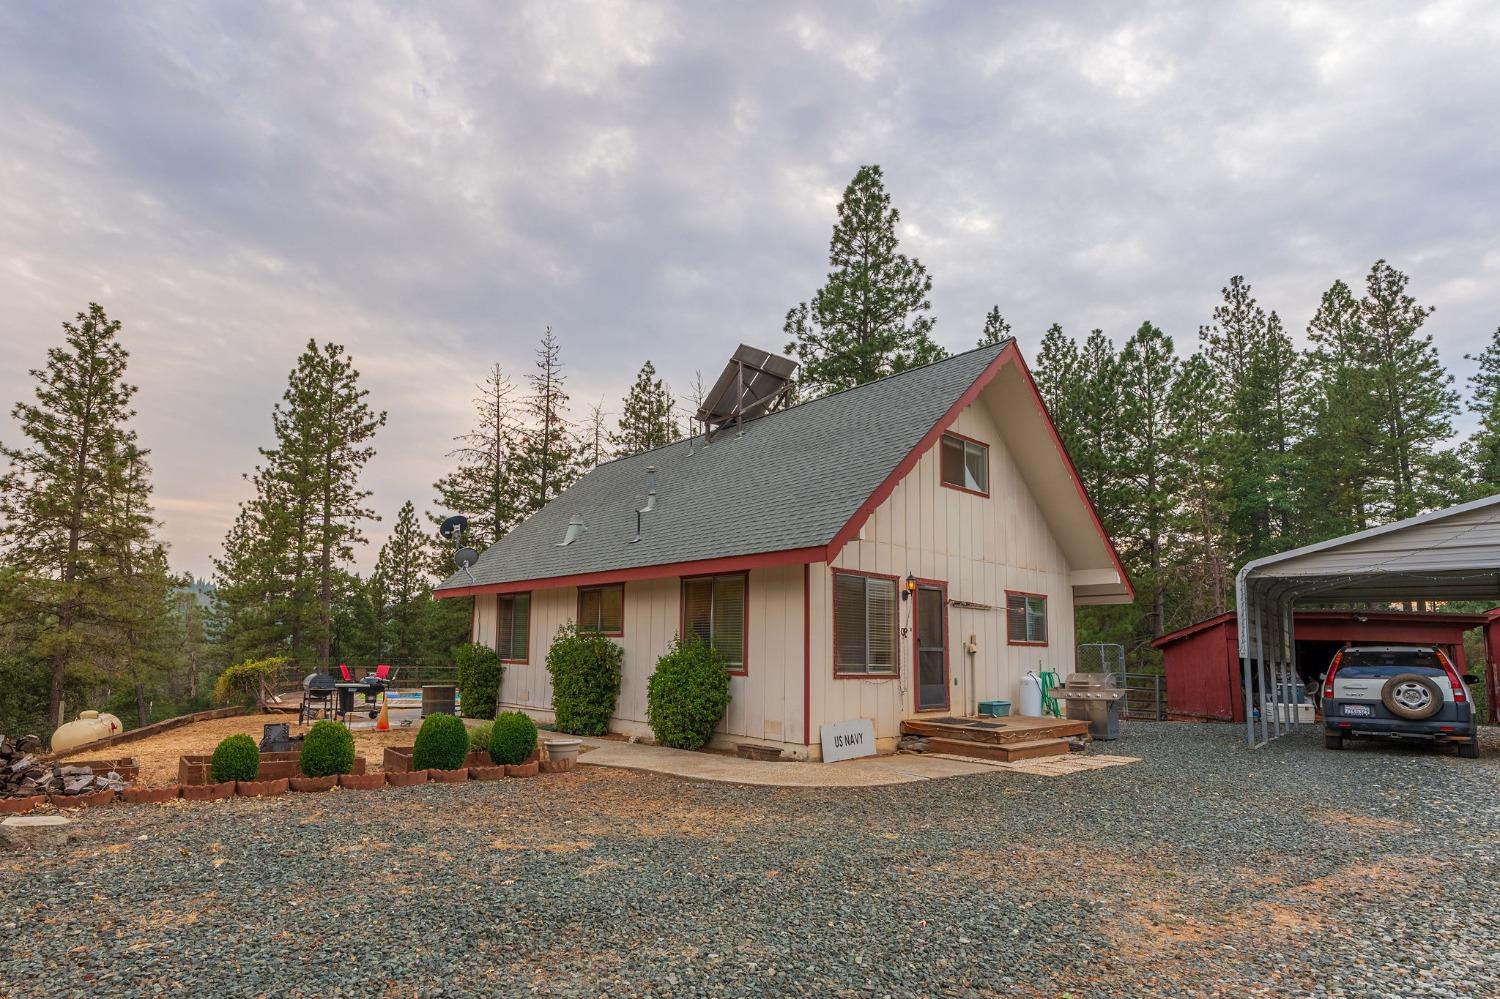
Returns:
(1446, 555)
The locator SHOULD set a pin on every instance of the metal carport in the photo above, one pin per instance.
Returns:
(1451, 554)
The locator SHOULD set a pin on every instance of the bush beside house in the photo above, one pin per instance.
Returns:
(585, 670)
(687, 695)
(513, 739)
(479, 674)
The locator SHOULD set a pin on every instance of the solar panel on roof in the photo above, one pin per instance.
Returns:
(751, 381)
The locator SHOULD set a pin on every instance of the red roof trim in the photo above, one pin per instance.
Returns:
(708, 566)
(1011, 354)
(1382, 617)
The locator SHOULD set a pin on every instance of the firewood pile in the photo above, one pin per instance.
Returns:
(23, 773)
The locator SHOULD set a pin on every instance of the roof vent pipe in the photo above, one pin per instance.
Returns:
(650, 501)
(575, 529)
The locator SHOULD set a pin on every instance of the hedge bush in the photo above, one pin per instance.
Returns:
(513, 739)
(479, 673)
(327, 749)
(442, 744)
(479, 736)
(585, 671)
(688, 694)
(240, 683)
(236, 758)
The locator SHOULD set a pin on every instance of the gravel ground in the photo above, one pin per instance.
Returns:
(1204, 870)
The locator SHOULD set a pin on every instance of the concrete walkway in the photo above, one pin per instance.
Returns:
(869, 771)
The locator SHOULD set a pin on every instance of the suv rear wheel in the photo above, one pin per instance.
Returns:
(1331, 741)
(1469, 750)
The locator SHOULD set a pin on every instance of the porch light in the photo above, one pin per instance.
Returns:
(911, 587)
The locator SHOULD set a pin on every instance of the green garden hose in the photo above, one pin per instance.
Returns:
(1049, 703)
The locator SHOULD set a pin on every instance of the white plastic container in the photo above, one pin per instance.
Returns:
(1031, 695)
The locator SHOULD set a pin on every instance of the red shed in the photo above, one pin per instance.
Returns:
(1203, 666)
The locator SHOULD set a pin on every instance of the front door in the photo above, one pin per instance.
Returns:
(932, 649)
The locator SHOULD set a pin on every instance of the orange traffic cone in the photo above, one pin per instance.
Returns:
(384, 722)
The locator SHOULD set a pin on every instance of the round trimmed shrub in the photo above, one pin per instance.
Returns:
(585, 671)
(479, 673)
(327, 749)
(687, 695)
(513, 738)
(479, 736)
(236, 758)
(442, 744)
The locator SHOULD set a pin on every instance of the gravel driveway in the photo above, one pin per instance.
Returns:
(1204, 870)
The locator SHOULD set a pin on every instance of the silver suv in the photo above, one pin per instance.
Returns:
(1398, 692)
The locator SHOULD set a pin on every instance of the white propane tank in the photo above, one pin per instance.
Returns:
(1031, 695)
(89, 727)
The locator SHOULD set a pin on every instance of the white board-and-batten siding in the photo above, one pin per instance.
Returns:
(981, 547)
(765, 704)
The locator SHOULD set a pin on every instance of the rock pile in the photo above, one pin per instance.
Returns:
(23, 774)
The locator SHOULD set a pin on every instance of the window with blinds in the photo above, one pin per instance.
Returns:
(1026, 619)
(864, 625)
(713, 608)
(602, 609)
(513, 628)
(965, 464)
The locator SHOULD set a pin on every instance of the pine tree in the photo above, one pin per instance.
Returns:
(1058, 378)
(1413, 396)
(646, 417)
(1204, 563)
(995, 328)
(1259, 370)
(1481, 452)
(485, 484)
(548, 461)
(1096, 443)
(1341, 421)
(870, 318)
(593, 449)
(1149, 462)
(73, 499)
(404, 571)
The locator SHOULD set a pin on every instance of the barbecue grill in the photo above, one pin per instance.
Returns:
(317, 697)
(1095, 698)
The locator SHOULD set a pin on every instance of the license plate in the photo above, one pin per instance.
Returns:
(1359, 710)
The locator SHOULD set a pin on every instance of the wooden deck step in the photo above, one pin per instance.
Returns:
(1004, 753)
(995, 732)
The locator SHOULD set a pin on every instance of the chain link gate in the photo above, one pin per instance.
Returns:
(1145, 693)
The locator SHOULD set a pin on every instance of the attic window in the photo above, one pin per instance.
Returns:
(966, 464)
(602, 609)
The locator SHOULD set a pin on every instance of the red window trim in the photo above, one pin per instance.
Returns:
(604, 586)
(744, 669)
(499, 597)
(916, 655)
(833, 616)
(970, 440)
(1025, 593)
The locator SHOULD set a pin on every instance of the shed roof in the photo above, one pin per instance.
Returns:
(786, 484)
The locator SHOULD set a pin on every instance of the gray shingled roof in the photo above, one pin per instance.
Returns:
(792, 479)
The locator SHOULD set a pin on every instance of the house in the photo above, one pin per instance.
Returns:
(1202, 661)
(911, 546)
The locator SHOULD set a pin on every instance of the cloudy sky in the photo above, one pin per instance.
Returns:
(432, 184)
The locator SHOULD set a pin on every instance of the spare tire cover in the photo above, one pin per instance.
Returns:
(1412, 695)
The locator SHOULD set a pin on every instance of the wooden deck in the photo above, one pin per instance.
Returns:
(1004, 739)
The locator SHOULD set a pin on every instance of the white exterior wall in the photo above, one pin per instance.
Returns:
(981, 546)
(765, 705)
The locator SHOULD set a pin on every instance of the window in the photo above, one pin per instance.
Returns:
(602, 609)
(864, 625)
(1026, 618)
(513, 627)
(966, 464)
(713, 608)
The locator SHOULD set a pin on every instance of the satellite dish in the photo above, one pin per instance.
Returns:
(456, 524)
(465, 557)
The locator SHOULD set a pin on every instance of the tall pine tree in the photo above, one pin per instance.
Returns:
(485, 484)
(1481, 452)
(1341, 420)
(1149, 463)
(548, 461)
(404, 569)
(74, 506)
(646, 417)
(995, 328)
(871, 317)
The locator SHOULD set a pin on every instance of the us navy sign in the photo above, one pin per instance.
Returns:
(847, 739)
